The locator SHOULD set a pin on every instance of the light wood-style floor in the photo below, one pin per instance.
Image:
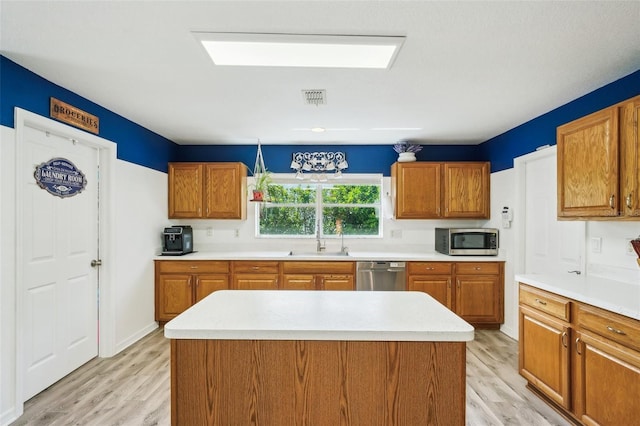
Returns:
(133, 388)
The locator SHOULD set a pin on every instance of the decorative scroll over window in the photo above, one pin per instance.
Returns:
(318, 165)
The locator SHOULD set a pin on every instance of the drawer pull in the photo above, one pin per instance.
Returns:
(477, 268)
(430, 268)
(574, 272)
(615, 330)
(193, 267)
(255, 268)
(542, 302)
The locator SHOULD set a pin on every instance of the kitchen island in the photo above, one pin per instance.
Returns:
(318, 358)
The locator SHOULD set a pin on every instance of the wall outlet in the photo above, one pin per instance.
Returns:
(236, 233)
(209, 231)
(396, 233)
(596, 245)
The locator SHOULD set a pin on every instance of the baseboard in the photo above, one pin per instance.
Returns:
(8, 417)
(509, 331)
(135, 337)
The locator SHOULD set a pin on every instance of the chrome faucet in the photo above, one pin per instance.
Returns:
(320, 247)
(343, 249)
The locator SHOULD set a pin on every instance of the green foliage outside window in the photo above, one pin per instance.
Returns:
(294, 209)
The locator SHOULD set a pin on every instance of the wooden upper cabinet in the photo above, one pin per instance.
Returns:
(599, 164)
(466, 190)
(630, 158)
(428, 190)
(225, 189)
(207, 190)
(416, 190)
(588, 165)
(185, 190)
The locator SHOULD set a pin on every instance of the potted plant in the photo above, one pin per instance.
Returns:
(406, 151)
(261, 184)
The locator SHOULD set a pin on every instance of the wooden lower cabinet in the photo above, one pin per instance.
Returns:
(583, 359)
(318, 275)
(473, 290)
(255, 275)
(180, 284)
(544, 354)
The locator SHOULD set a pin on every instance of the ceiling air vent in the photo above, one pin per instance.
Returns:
(315, 97)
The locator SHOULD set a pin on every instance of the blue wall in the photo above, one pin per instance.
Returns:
(21, 87)
(361, 158)
(525, 138)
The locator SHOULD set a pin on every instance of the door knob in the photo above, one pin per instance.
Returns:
(95, 263)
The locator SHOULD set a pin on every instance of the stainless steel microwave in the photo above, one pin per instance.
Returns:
(467, 241)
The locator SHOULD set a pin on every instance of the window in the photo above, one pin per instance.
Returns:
(296, 208)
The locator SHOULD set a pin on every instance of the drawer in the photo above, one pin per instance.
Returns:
(267, 267)
(318, 267)
(549, 303)
(429, 268)
(192, 266)
(472, 268)
(618, 328)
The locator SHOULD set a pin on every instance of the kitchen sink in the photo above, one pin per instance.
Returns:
(317, 253)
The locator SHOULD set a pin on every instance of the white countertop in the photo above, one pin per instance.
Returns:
(616, 296)
(353, 256)
(319, 315)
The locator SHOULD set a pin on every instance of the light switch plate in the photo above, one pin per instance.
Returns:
(596, 244)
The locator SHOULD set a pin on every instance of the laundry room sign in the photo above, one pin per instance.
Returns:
(60, 177)
(74, 116)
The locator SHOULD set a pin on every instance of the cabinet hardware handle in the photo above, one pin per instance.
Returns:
(628, 200)
(190, 281)
(429, 268)
(574, 272)
(578, 346)
(612, 201)
(197, 282)
(542, 302)
(194, 267)
(255, 268)
(564, 337)
(458, 282)
(615, 330)
(448, 282)
(477, 268)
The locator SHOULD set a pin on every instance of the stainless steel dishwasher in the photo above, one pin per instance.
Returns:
(380, 276)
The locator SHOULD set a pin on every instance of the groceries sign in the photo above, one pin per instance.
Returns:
(74, 116)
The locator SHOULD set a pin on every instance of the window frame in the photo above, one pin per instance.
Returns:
(351, 179)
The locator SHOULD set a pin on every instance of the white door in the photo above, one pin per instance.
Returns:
(59, 286)
(551, 246)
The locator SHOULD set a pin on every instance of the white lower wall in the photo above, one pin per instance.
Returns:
(141, 215)
(140, 198)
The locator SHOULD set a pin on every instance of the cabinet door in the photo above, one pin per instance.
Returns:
(185, 190)
(608, 382)
(630, 158)
(438, 287)
(255, 281)
(466, 190)
(588, 166)
(224, 188)
(416, 190)
(335, 282)
(298, 282)
(174, 295)
(544, 354)
(479, 298)
(207, 284)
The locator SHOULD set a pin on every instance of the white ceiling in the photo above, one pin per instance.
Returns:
(468, 71)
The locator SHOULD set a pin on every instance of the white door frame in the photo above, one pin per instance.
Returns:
(106, 307)
(520, 164)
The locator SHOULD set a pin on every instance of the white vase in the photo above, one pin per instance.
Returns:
(405, 157)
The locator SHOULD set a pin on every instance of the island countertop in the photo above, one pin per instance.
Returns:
(319, 315)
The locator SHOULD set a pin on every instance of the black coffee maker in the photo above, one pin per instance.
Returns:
(177, 240)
